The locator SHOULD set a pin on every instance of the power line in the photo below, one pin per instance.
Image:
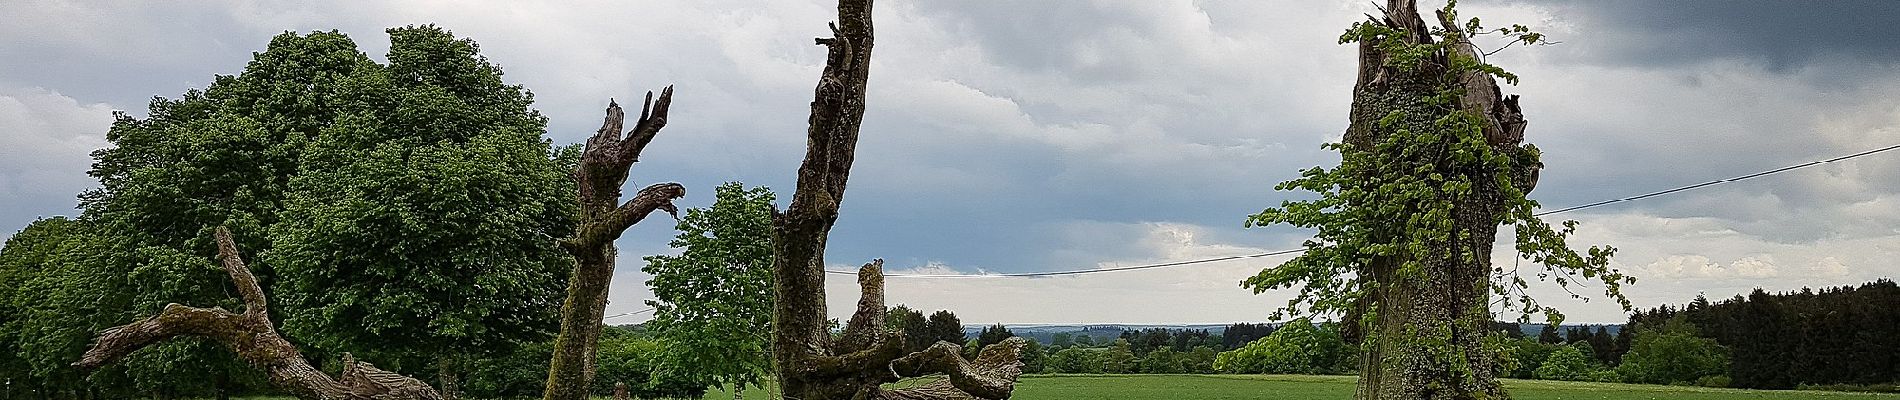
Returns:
(1291, 251)
(642, 311)
(1720, 181)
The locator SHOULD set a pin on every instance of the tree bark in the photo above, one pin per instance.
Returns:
(251, 335)
(603, 169)
(1449, 297)
(810, 364)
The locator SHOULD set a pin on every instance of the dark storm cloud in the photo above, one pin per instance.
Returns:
(1781, 34)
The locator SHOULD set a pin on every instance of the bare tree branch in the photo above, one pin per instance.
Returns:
(252, 336)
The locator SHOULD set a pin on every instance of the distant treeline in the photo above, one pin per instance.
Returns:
(1838, 335)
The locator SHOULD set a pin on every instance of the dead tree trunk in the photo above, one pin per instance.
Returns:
(251, 335)
(603, 169)
(1449, 297)
(811, 365)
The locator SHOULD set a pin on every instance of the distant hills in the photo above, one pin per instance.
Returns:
(1045, 333)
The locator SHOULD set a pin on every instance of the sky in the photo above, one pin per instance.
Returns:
(1010, 136)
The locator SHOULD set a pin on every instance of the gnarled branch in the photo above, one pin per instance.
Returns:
(252, 336)
(603, 170)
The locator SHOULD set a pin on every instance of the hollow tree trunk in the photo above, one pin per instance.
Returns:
(251, 335)
(812, 366)
(603, 169)
(1425, 338)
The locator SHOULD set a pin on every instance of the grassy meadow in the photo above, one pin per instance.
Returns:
(1302, 387)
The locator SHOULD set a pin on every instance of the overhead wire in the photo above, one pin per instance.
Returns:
(1292, 251)
(637, 312)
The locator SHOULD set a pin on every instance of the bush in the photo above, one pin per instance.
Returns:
(636, 361)
(522, 373)
(1567, 364)
(1673, 354)
(1075, 360)
(1714, 381)
(1297, 348)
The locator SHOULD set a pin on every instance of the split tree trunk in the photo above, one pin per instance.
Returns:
(603, 169)
(251, 335)
(1449, 298)
(811, 365)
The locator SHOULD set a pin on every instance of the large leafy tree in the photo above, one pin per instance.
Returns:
(713, 301)
(1432, 163)
(424, 212)
(403, 211)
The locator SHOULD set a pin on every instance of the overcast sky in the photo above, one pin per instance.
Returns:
(1013, 136)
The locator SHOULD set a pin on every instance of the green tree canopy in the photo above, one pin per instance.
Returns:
(1568, 363)
(1299, 347)
(404, 212)
(1672, 354)
(713, 302)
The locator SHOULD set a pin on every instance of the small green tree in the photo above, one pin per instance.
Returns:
(1119, 358)
(994, 334)
(944, 326)
(1076, 360)
(1672, 354)
(1299, 347)
(1200, 360)
(713, 302)
(1568, 363)
(912, 323)
(1162, 361)
(1034, 357)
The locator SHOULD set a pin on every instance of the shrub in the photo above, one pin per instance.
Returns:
(1297, 348)
(1567, 364)
(1672, 354)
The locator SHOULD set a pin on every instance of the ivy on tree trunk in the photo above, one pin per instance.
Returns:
(1432, 163)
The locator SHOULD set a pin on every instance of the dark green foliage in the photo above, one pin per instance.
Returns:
(403, 212)
(1035, 357)
(1838, 335)
(423, 208)
(1075, 360)
(626, 354)
(1119, 358)
(637, 361)
(1241, 334)
(944, 326)
(1162, 361)
(912, 323)
(1567, 363)
(1061, 341)
(713, 302)
(1526, 356)
(1672, 354)
(521, 373)
(1299, 347)
(993, 334)
(1200, 360)
(1549, 335)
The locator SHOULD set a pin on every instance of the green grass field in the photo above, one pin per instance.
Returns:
(1297, 387)
(1303, 387)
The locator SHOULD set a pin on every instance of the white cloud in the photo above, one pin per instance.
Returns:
(45, 144)
(1020, 136)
